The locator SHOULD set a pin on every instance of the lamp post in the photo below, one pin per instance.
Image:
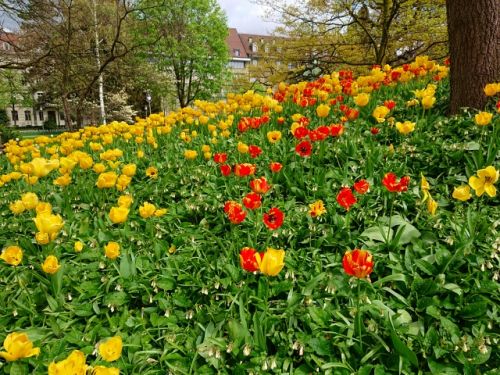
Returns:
(148, 99)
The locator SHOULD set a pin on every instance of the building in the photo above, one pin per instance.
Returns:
(255, 59)
(23, 107)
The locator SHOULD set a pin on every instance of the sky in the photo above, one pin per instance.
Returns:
(246, 17)
(241, 14)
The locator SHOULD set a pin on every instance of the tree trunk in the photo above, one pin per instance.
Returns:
(67, 114)
(474, 39)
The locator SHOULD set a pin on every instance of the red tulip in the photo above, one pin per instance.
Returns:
(220, 158)
(273, 219)
(358, 263)
(225, 169)
(275, 166)
(304, 148)
(260, 185)
(254, 151)
(362, 186)
(391, 183)
(252, 201)
(248, 259)
(346, 198)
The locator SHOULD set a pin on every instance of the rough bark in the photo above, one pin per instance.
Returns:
(474, 39)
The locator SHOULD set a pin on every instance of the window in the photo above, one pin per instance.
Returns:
(40, 115)
(27, 115)
(254, 62)
(61, 116)
(236, 52)
(254, 47)
(237, 64)
(15, 116)
(266, 48)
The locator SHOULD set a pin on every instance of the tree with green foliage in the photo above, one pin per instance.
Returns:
(68, 52)
(191, 46)
(321, 35)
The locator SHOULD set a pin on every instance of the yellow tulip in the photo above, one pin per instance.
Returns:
(99, 168)
(160, 212)
(273, 136)
(122, 182)
(51, 265)
(272, 262)
(125, 201)
(111, 349)
(17, 207)
(86, 162)
(485, 181)
(317, 209)
(483, 118)
(190, 154)
(17, 346)
(152, 172)
(106, 180)
(242, 148)
(30, 200)
(380, 112)
(491, 89)
(40, 167)
(119, 214)
(129, 170)
(63, 180)
(431, 205)
(74, 364)
(101, 370)
(78, 246)
(405, 127)
(49, 223)
(147, 210)
(112, 250)
(462, 193)
(42, 207)
(362, 99)
(12, 255)
(42, 238)
(322, 110)
(428, 101)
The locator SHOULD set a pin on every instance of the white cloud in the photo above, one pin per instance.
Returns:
(246, 17)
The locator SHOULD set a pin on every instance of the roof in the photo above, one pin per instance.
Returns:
(234, 42)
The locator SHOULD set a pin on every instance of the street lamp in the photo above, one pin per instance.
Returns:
(148, 99)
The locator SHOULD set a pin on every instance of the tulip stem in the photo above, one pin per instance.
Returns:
(358, 316)
(391, 203)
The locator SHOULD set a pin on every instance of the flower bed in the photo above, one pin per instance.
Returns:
(339, 226)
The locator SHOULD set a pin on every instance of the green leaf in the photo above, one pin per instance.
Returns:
(166, 283)
(53, 304)
(402, 349)
(311, 284)
(394, 277)
(454, 288)
(320, 345)
(378, 233)
(116, 299)
(441, 369)
(19, 368)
